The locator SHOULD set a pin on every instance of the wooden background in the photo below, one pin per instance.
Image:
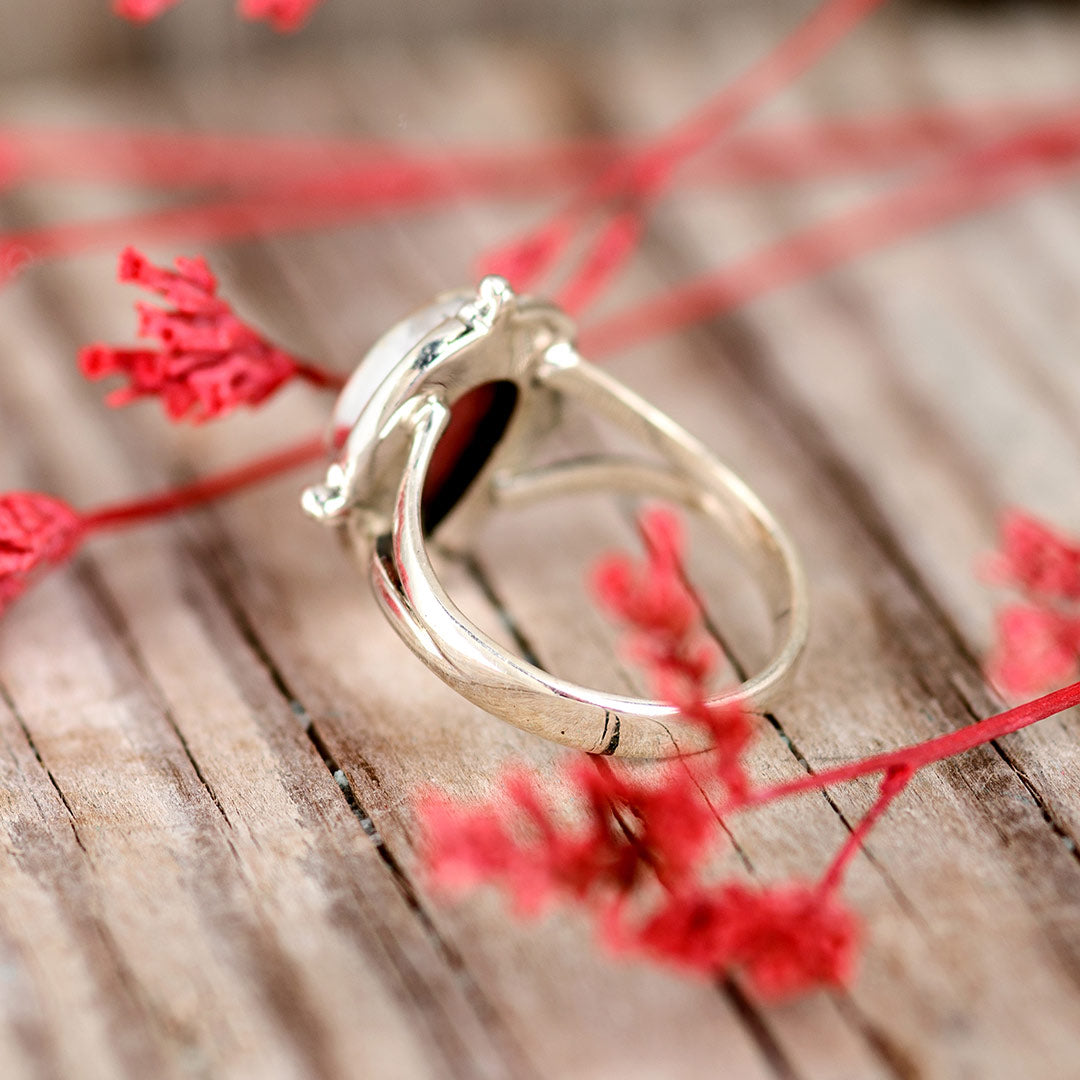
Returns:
(41, 38)
(209, 738)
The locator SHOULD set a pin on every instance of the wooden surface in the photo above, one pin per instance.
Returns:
(209, 738)
(57, 37)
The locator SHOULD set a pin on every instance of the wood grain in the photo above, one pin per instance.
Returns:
(211, 740)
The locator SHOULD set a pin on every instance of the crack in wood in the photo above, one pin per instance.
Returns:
(901, 1065)
(479, 576)
(9, 701)
(143, 1058)
(113, 615)
(759, 1030)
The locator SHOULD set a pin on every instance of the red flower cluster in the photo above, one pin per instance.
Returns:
(210, 362)
(639, 831)
(667, 638)
(1038, 640)
(1036, 558)
(519, 841)
(35, 531)
(284, 15)
(142, 10)
(787, 939)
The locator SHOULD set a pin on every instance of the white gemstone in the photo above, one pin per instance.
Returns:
(386, 354)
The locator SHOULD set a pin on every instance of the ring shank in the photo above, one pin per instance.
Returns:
(408, 589)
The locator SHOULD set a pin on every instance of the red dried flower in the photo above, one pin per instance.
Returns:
(653, 596)
(663, 817)
(1038, 641)
(792, 938)
(655, 827)
(209, 363)
(732, 732)
(786, 939)
(1036, 558)
(627, 825)
(142, 10)
(466, 845)
(668, 638)
(284, 15)
(35, 530)
(517, 842)
(1036, 648)
(663, 613)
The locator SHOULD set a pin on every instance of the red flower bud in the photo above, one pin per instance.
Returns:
(209, 361)
(142, 10)
(1036, 558)
(284, 15)
(1037, 648)
(35, 530)
(787, 939)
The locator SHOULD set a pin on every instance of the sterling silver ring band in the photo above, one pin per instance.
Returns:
(399, 405)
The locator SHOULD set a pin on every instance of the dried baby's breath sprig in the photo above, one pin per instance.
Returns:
(209, 362)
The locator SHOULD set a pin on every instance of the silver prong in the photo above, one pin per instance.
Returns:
(494, 290)
(493, 294)
(327, 502)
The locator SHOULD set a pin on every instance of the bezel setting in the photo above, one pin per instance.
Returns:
(461, 340)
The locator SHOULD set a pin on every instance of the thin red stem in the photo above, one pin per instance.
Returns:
(647, 175)
(795, 54)
(918, 756)
(894, 782)
(172, 159)
(266, 202)
(250, 162)
(214, 222)
(854, 145)
(323, 378)
(202, 491)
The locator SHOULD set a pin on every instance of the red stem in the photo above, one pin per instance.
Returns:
(647, 175)
(171, 159)
(796, 54)
(205, 490)
(321, 377)
(266, 201)
(918, 756)
(248, 162)
(894, 782)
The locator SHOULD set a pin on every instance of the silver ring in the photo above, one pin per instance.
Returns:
(496, 368)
